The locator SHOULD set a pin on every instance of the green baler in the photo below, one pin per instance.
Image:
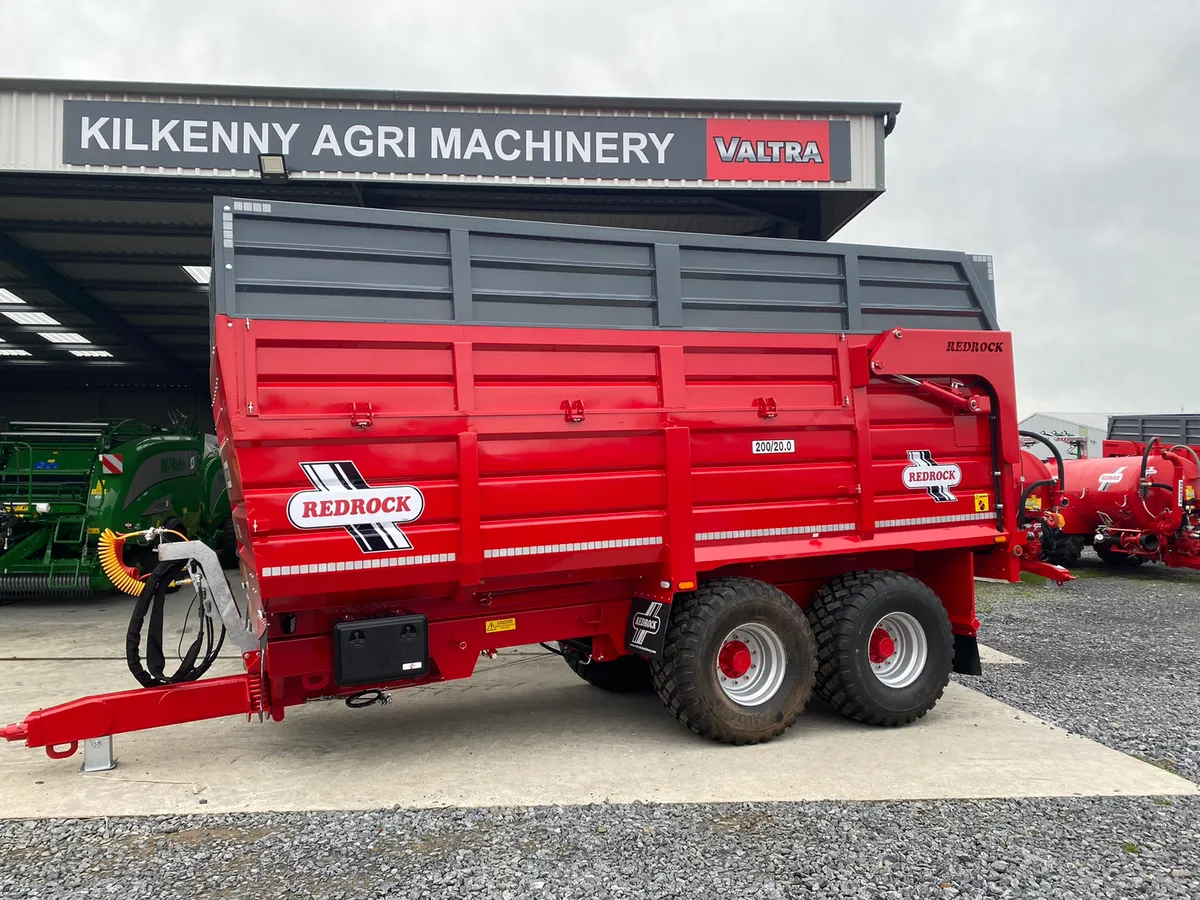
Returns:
(62, 484)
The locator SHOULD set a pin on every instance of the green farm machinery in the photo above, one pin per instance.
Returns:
(66, 488)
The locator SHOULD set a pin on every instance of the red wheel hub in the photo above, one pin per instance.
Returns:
(881, 647)
(734, 659)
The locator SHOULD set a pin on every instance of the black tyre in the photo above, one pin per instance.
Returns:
(1066, 552)
(1117, 560)
(884, 645)
(738, 663)
(227, 548)
(623, 675)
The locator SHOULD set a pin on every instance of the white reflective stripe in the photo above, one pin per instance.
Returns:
(814, 530)
(937, 520)
(540, 549)
(370, 562)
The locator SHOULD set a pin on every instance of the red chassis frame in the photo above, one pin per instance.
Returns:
(295, 664)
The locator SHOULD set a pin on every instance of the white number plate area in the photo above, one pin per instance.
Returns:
(773, 446)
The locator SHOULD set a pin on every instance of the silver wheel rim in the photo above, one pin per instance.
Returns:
(897, 650)
(751, 663)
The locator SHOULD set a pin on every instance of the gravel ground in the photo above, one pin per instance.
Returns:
(1081, 848)
(1114, 658)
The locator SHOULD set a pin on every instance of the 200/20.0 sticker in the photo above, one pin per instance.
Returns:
(773, 446)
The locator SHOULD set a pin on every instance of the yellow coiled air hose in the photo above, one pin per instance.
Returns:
(126, 579)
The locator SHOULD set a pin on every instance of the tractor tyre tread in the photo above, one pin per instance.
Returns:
(677, 671)
(623, 675)
(227, 541)
(1067, 554)
(835, 612)
(1117, 560)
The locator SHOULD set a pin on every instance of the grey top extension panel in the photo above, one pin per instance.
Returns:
(1170, 428)
(278, 260)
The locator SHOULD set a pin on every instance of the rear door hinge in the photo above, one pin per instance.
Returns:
(361, 418)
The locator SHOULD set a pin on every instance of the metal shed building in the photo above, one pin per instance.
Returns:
(106, 199)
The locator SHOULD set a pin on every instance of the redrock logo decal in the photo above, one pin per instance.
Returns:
(975, 346)
(343, 498)
(778, 149)
(1116, 476)
(923, 473)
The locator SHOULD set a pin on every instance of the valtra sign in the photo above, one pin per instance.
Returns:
(769, 149)
(207, 136)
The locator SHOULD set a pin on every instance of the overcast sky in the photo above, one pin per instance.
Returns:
(1063, 138)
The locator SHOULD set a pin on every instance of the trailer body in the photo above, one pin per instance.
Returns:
(1170, 428)
(447, 435)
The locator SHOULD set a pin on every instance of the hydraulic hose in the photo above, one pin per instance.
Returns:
(1183, 520)
(1190, 450)
(1058, 460)
(1144, 485)
(152, 599)
(1057, 484)
(1029, 489)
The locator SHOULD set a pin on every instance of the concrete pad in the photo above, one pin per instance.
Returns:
(527, 731)
(990, 656)
(88, 628)
(523, 731)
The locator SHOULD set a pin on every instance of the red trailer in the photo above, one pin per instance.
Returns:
(735, 469)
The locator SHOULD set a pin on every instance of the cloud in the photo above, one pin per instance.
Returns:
(1058, 137)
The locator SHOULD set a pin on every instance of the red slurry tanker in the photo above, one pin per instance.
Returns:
(737, 470)
(1134, 504)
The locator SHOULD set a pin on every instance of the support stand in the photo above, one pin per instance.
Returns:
(98, 755)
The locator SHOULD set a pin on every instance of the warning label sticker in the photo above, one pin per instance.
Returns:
(494, 625)
(983, 502)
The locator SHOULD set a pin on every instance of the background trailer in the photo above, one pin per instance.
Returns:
(106, 195)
